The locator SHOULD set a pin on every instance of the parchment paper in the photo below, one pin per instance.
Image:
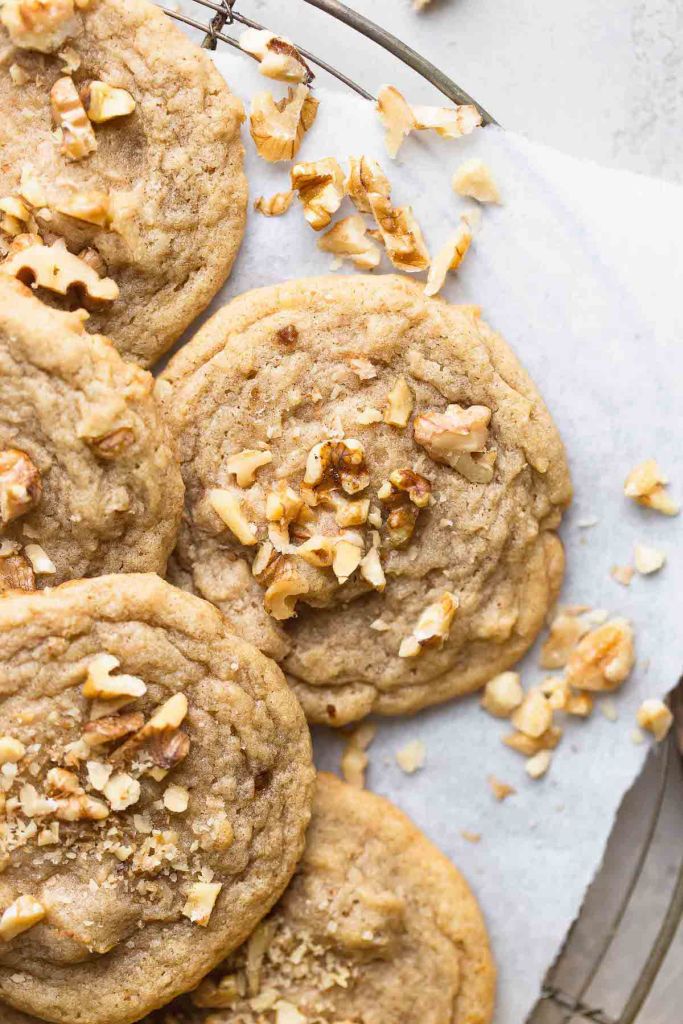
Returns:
(581, 270)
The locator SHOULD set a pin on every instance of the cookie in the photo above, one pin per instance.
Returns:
(156, 785)
(120, 141)
(376, 926)
(373, 486)
(89, 477)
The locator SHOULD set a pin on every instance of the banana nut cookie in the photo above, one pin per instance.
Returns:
(372, 488)
(89, 477)
(121, 184)
(156, 786)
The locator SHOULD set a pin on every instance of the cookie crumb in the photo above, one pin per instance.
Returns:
(538, 765)
(647, 559)
(354, 759)
(655, 716)
(623, 574)
(502, 694)
(501, 790)
(637, 737)
(646, 485)
(471, 837)
(411, 757)
(609, 709)
(474, 179)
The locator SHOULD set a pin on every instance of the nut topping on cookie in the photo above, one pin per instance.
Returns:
(348, 552)
(112, 727)
(432, 627)
(281, 596)
(113, 445)
(372, 571)
(90, 207)
(333, 464)
(320, 185)
(55, 268)
(78, 137)
(201, 900)
(278, 128)
(603, 658)
(102, 684)
(399, 404)
(21, 915)
(20, 485)
(228, 507)
(446, 435)
(41, 25)
(11, 750)
(103, 102)
(245, 464)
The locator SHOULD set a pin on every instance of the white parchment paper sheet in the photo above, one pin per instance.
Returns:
(581, 270)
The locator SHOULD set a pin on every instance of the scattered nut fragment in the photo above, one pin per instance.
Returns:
(502, 694)
(417, 487)
(102, 684)
(647, 559)
(41, 25)
(399, 405)
(331, 464)
(22, 914)
(278, 57)
(278, 128)
(111, 728)
(565, 632)
(283, 504)
(60, 782)
(81, 808)
(623, 574)
(656, 717)
(90, 207)
(275, 205)
(477, 467)
(501, 790)
(474, 179)
(448, 122)
(366, 417)
(20, 485)
(400, 118)
(350, 513)
(30, 188)
(556, 691)
(366, 178)
(538, 765)
(41, 563)
(103, 102)
(176, 799)
(317, 551)
(245, 464)
(347, 239)
(579, 704)
(113, 445)
(228, 507)
(281, 596)
(528, 746)
(432, 627)
(347, 558)
(11, 750)
(646, 485)
(449, 257)
(446, 435)
(397, 117)
(411, 757)
(98, 774)
(320, 186)
(371, 570)
(78, 137)
(122, 791)
(603, 658)
(354, 759)
(470, 837)
(170, 715)
(18, 74)
(55, 268)
(201, 899)
(534, 716)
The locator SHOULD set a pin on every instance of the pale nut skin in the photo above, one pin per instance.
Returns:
(20, 485)
(447, 435)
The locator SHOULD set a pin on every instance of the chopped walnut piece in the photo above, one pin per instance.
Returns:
(16, 573)
(502, 694)
(320, 186)
(41, 563)
(476, 467)
(78, 137)
(371, 570)
(81, 808)
(580, 704)
(348, 239)
(113, 445)
(354, 759)
(534, 716)
(538, 765)
(18, 74)
(446, 435)
(55, 268)
(60, 782)
(281, 596)
(278, 128)
(201, 899)
(448, 122)
(30, 188)
(647, 559)
(602, 659)
(11, 750)
(111, 728)
(449, 257)
(417, 487)
(646, 485)
(364, 369)
(500, 790)
(90, 207)
(565, 632)
(170, 715)
(350, 513)
(102, 684)
(275, 205)
(402, 237)
(167, 749)
(623, 574)
(103, 102)
(22, 914)
(228, 507)
(176, 799)
(98, 774)
(366, 179)
(317, 551)
(278, 57)
(432, 627)
(528, 745)
(399, 405)
(474, 179)
(556, 691)
(655, 716)
(217, 994)
(397, 117)
(411, 757)
(122, 791)
(245, 464)
(20, 485)
(347, 558)
(333, 464)
(41, 25)
(366, 417)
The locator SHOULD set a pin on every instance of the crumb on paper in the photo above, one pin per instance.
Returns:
(648, 559)
(275, 205)
(654, 716)
(538, 765)
(354, 759)
(529, 746)
(502, 694)
(609, 709)
(623, 574)
(501, 790)
(603, 658)
(566, 630)
(449, 257)
(348, 239)
(587, 522)
(637, 737)
(320, 187)
(474, 179)
(400, 118)
(411, 757)
(470, 837)
(646, 485)
(278, 127)
(534, 716)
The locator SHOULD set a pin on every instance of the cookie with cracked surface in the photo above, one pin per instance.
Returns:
(121, 140)
(373, 486)
(89, 477)
(156, 789)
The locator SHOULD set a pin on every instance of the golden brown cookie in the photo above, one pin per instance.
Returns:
(121, 141)
(89, 477)
(373, 486)
(155, 785)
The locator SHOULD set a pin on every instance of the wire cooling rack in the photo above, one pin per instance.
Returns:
(621, 961)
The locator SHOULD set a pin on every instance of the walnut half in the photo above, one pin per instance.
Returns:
(20, 485)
